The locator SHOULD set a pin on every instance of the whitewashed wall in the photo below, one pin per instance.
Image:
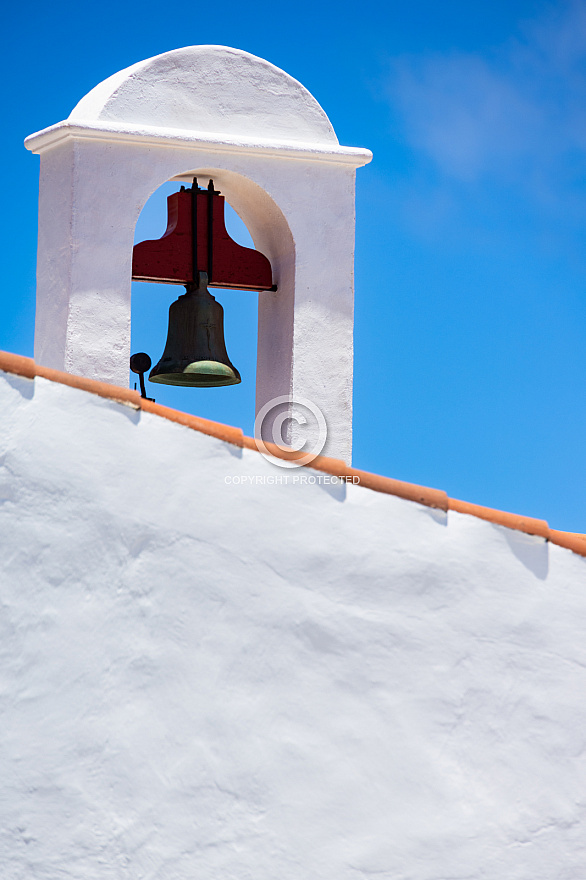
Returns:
(205, 679)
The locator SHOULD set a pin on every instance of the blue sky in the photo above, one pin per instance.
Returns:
(470, 360)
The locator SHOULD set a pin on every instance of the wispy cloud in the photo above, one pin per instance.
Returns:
(516, 115)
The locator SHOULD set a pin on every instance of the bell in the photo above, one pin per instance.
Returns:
(195, 353)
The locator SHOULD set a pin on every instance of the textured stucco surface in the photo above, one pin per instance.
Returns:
(204, 677)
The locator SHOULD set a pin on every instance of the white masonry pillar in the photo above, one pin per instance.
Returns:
(205, 111)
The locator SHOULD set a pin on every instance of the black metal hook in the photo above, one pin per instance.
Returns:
(140, 363)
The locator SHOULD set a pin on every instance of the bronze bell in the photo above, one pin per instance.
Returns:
(195, 353)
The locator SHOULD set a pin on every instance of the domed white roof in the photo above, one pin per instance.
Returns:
(212, 90)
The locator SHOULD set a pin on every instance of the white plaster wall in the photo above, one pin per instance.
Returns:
(203, 679)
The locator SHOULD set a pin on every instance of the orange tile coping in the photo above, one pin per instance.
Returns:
(24, 366)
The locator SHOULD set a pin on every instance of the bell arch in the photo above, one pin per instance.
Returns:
(271, 235)
(273, 152)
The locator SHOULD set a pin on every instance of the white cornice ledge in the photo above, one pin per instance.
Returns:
(151, 135)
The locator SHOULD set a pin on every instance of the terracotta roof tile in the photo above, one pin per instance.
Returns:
(500, 517)
(102, 389)
(23, 366)
(571, 540)
(204, 426)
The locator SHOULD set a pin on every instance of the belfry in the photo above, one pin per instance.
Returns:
(211, 113)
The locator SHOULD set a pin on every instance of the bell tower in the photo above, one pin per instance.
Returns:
(205, 112)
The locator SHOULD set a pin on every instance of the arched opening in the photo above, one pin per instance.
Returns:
(150, 302)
